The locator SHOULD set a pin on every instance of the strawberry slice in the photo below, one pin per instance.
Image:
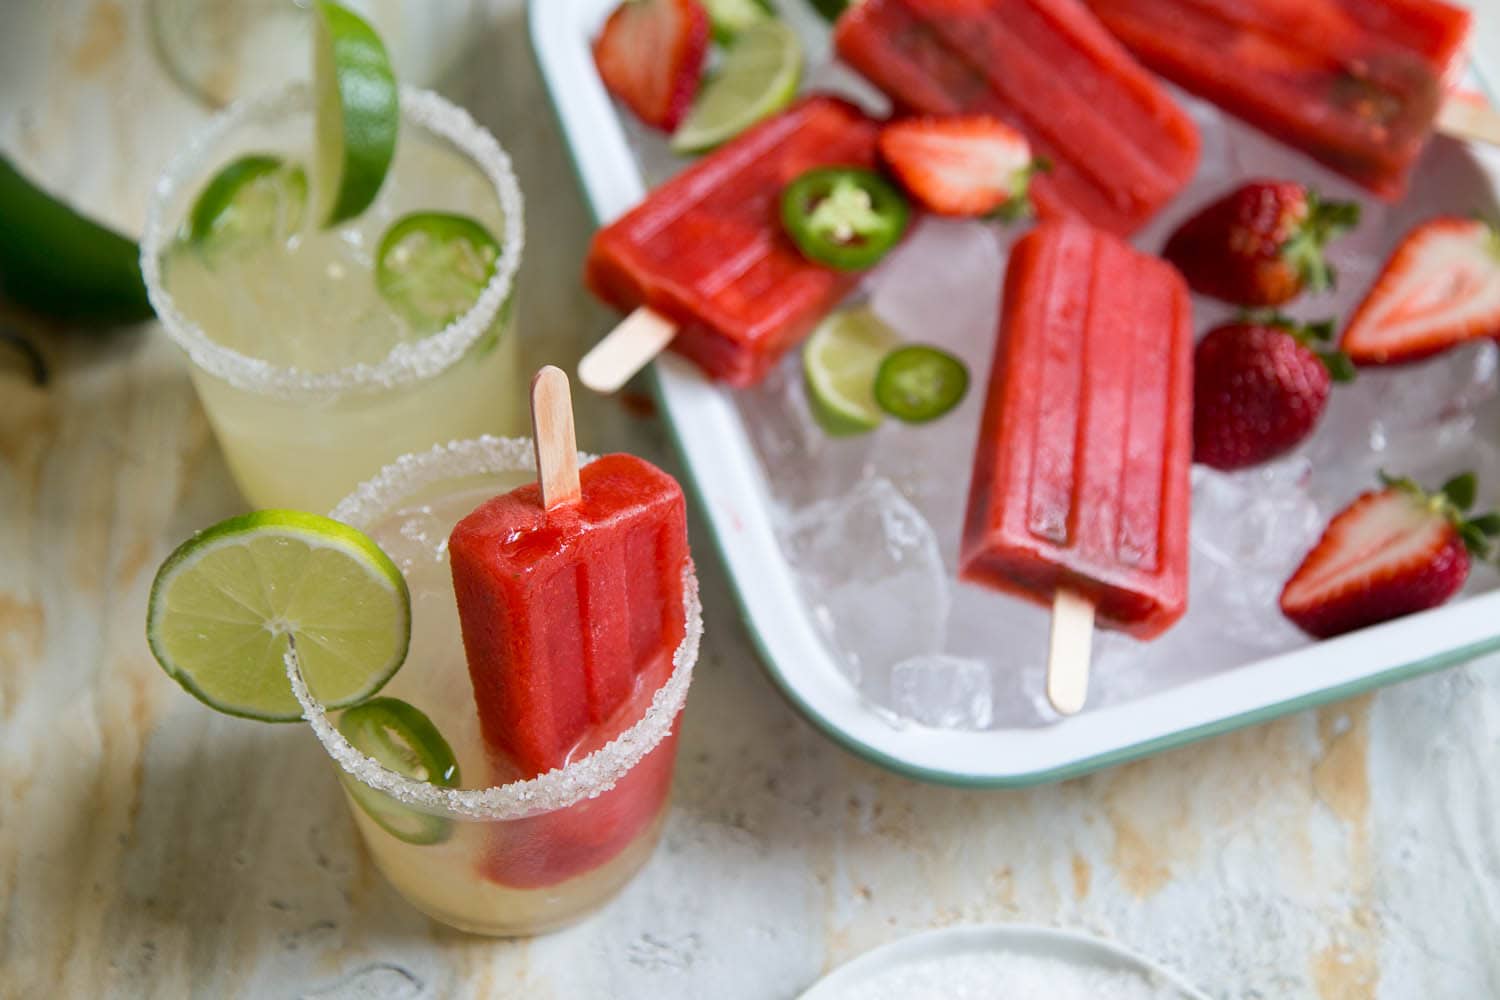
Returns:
(1440, 288)
(1392, 552)
(969, 165)
(650, 55)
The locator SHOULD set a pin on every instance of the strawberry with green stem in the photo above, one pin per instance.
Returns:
(964, 165)
(1262, 244)
(1260, 385)
(1392, 552)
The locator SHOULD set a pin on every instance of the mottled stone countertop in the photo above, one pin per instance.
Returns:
(151, 848)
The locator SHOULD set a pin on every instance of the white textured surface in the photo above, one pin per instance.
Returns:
(150, 847)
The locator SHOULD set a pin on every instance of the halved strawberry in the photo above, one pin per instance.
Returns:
(1261, 244)
(650, 55)
(1392, 552)
(965, 165)
(1440, 288)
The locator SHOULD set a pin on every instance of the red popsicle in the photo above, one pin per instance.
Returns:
(706, 255)
(1356, 84)
(565, 605)
(1120, 148)
(1081, 484)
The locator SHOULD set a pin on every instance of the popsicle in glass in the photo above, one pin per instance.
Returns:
(704, 261)
(1356, 84)
(1080, 492)
(570, 599)
(1118, 145)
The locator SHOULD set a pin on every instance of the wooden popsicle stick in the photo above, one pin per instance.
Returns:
(1070, 651)
(1469, 117)
(556, 443)
(625, 350)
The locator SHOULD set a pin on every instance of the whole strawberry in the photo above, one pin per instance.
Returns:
(1259, 387)
(1262, 244)
(1394, 551)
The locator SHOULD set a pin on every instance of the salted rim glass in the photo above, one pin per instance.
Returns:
(585, 778)
(409, 361)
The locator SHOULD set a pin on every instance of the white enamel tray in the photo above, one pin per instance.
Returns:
(731, 487)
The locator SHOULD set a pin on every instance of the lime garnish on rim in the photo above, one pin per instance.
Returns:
(839, 363)
(257, 198)
(358, 113)
(401, 738)
(432, 266)
(225, 605)
(757, 79)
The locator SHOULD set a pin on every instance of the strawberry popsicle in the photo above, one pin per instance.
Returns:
(706, 251)
(1081, 472)
(1119, 147)
(562, 609)
(1356, 84)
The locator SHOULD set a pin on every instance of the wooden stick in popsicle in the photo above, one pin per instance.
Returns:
(1070, 651)
(1469, 117)
(625, 350)
(555, 441)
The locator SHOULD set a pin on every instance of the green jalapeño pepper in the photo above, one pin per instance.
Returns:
(844, 217)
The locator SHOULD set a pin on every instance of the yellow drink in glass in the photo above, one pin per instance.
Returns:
(311, 379)
(496, 855)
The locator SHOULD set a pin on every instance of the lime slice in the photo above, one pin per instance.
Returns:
(757, 79)
(256, 199)
(432, 266)
(224, 605)
(839, 364)
(358, 113)
(919, 383)
(60, 264)
(403, 739)
(730, 17)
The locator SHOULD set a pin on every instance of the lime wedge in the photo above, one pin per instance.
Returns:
(839, 363)
(60, 264)
(358, 113)
(224, 605)
(730, 17)
(255, 199)
(403, 739)
(432, 266)
(757, 79)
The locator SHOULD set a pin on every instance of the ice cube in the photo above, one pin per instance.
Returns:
(1250, 531)
(870, 568)
(804, 464)
(942, 287)
(948, 692)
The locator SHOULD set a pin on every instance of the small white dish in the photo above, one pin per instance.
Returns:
(1066, 949)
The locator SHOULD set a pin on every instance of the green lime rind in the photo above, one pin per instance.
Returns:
(224, 605)
(57, 263)
(431, 267)
(839, 365)
(727, 18)
(758, 78)
(403, 739)
(255, 199)
(358, 112)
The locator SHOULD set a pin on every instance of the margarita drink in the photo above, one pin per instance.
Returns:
(493, 853)
(312, 371)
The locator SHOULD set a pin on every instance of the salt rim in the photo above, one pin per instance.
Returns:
(587, 778)
(408, 362)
